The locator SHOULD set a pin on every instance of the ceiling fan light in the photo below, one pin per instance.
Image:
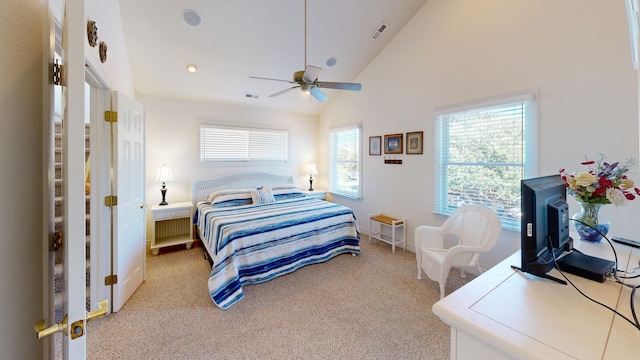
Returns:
(306, 88)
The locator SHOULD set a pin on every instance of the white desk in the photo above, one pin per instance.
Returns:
(506, 314)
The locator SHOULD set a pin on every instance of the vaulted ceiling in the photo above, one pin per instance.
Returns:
(231, 40)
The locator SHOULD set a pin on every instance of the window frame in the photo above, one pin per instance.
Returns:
(529, 147)
(244, 160)
(333, 171)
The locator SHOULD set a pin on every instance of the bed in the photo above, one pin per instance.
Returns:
(255, 227)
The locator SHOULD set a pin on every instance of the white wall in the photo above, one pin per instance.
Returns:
(576, 53)
(21, 158)
(171, 139)
(116, 71)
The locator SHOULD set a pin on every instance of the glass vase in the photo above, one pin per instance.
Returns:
(588, 224)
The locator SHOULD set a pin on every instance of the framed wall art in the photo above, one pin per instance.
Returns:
(414, 142)
(375, 145)
(393, 144)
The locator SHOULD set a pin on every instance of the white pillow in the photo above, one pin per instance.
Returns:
(230, 197)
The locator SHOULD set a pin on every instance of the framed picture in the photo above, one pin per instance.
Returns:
(375, 145)
(393, 144)
(414, 142)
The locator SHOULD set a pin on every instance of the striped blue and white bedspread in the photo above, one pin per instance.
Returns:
(250, 244)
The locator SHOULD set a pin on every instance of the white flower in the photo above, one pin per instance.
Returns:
(585, 178)
(616, 196)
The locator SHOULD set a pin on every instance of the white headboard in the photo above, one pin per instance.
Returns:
(200, 189)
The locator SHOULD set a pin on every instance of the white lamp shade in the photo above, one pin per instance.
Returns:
(312, 170)
(164, 174)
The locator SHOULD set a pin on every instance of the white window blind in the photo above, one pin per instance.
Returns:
(219, 143)
(482, 154)
(345, 162)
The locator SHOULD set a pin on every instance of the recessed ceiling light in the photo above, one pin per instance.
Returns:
(192, 68)
(191, 17)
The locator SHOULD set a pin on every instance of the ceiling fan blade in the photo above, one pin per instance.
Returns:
(339, 85)
(263, 78)
(284, 91)
(311, 74)
(318, 94)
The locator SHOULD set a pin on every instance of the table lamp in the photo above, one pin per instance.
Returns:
(311, 170)
(164, 175)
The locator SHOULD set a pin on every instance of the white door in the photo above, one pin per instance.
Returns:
(67, 108)
(73, 179)
(73, 142)
(54, 262)
(129, 239)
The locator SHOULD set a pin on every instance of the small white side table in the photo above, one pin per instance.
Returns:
(318, 194)
(172, 225)
(394, 224)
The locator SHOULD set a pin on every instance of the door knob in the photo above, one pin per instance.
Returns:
(141, 206)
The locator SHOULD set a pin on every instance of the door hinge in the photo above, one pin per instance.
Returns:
(111, 280)
(56, 241)
(110, 200)
(56, 73)
(111, 116)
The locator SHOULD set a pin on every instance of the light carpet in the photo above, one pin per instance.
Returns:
(370, 306)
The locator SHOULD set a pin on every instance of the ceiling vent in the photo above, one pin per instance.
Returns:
(379, 30)
(191, 17)
(251, 96)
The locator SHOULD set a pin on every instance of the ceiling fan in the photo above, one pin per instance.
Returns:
(307, 79)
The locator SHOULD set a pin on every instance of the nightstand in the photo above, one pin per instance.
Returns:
(318, 194)
(172, 225)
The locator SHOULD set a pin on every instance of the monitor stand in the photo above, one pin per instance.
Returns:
(544, 264)
(586, 266)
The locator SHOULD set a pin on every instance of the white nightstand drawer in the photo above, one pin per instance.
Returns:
(162, 215)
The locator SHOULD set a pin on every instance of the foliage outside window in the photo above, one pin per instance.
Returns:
(482, 153)
(226, 143)
(345, 162)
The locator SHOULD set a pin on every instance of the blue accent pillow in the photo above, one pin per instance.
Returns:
(262, 196)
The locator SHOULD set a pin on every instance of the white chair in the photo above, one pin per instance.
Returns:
(473, 229)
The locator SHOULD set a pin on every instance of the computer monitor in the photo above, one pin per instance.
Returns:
(545, 224)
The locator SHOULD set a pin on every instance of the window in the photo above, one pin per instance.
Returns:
(345, 162)
(225, 143)
(482, 153)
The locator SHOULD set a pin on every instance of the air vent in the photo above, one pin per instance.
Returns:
(191, 17)
(379, 30)
(251, 96)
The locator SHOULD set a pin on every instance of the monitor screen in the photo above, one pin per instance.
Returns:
(545, 223)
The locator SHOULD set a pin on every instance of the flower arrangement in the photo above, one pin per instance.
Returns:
(605, 183)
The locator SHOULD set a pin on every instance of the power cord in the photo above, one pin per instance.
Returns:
(633, 288)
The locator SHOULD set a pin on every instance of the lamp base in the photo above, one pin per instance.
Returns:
(310, 184)
(164, 193)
